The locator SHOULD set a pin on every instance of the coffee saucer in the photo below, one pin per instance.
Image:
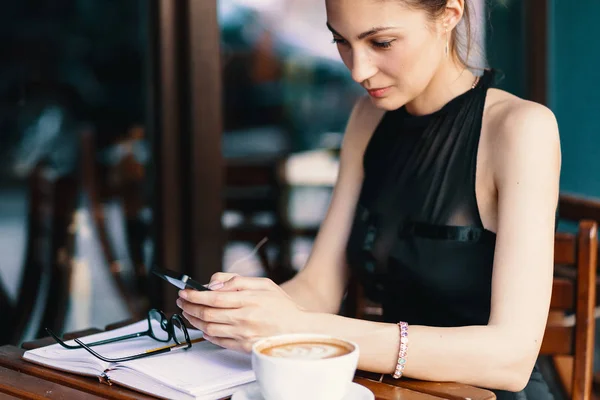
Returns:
(355, 392)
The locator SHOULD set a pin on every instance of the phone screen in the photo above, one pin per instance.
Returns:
(179, 280)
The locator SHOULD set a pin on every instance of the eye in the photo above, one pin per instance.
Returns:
(383, 45)
(339, 41)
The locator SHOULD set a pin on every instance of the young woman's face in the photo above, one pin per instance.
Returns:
(391, 50)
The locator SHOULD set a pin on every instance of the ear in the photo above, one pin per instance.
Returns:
(453, 14)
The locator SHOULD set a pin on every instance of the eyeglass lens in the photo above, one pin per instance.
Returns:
(158, 325)
(179, 331)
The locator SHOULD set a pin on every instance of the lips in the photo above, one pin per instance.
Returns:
(379, 92)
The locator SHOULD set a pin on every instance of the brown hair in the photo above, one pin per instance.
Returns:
(436, 8)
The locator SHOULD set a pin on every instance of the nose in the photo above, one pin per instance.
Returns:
(362, 67)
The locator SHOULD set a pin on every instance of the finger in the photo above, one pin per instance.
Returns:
(220, 277)
(201, 325)
(209, 314)
(221, 331)
(238, 283)
(215, 299)
(230, 344)
(211, 328)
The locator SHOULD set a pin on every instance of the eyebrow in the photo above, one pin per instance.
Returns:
(366, 34)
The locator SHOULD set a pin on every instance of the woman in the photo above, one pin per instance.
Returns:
(444, 208)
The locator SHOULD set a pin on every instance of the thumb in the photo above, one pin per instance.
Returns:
(216, 280)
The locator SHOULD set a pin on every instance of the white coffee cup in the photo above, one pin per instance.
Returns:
(304, 366)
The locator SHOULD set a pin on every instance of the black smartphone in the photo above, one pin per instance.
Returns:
(182, 281)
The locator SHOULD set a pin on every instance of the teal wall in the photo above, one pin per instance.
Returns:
(505, 44)
(574, 91)
(573, 78)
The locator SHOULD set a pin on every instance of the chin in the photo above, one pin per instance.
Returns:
(387, 103)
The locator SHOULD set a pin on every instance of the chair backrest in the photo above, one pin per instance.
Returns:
(37, 264)
(253, 188)
(42, 299)
(575, 208)
(575, 297)
(121, 178)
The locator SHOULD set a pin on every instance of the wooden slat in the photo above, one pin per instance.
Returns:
(564, 249)
(575, 208)
(587, 252)
(383, 391)
(249, 204)
(253, 234)
(557, 340)
(31, 387)
(6, 396)
(10, 357)
(445, 390)
(563, 294)
(249, 173)
(564, 371)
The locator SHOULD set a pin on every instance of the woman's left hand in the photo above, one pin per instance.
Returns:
(240, 312)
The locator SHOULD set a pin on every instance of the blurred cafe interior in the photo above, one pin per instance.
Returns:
(181, 134)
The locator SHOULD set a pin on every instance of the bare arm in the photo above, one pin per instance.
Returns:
(501, 354)
(321, 284)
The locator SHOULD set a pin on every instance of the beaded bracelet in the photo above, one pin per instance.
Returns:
(402, 351)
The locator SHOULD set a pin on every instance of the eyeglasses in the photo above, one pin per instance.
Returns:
(160, 328)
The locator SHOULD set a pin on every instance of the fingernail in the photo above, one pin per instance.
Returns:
(182, 294)
(215, 285)
(178, 303)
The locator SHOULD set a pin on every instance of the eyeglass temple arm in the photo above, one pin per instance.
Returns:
(98, 343)
(122, 359)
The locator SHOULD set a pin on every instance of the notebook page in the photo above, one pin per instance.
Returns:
(142, 383)
(203, 369)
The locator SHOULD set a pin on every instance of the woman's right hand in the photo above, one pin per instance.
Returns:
(237, 312)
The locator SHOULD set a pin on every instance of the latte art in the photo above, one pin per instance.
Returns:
(306, 350)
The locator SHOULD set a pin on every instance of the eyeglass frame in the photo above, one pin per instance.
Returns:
(165, 323)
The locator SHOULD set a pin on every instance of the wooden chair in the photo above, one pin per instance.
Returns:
(42, 299)
(121, 181)
(357, 305)
(253, 189)
(571, 340)
(572, 208)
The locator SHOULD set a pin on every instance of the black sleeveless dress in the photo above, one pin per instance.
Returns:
(417, 242)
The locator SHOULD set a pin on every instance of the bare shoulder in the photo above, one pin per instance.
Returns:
(512, 118)
(517, 126)
(362, 123)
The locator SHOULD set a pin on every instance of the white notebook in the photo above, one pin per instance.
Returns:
(205, 371)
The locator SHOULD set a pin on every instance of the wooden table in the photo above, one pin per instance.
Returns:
(21, 379)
